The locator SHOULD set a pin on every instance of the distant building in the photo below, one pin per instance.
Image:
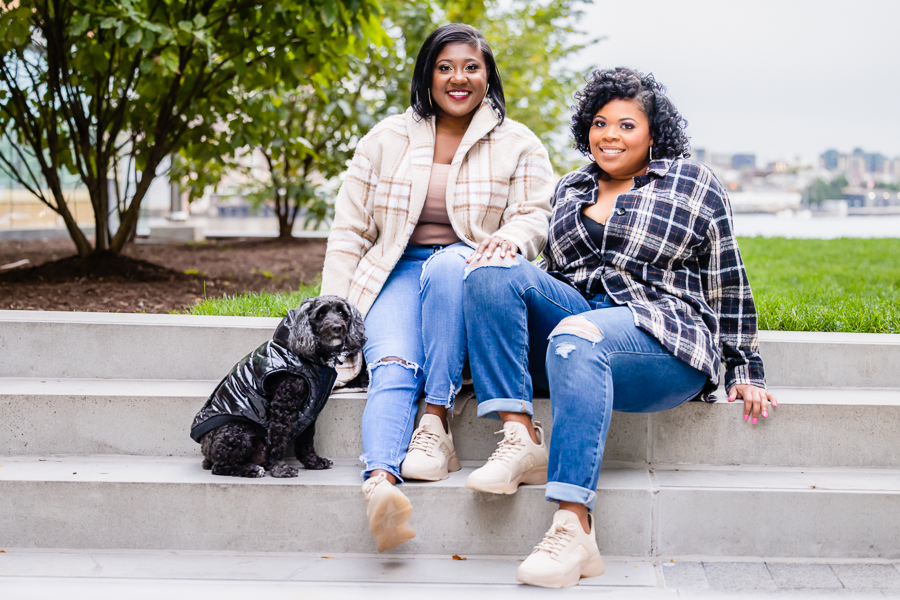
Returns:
(698, 154)
(857, 197)
(860, 167)
(720, 159)
(829, 159)
(743, 160)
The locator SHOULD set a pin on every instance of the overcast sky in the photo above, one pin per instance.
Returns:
(778, 78)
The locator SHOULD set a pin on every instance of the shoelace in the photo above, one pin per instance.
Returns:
(508, 446)
(371, 483)
(423, 440)
(556, 539)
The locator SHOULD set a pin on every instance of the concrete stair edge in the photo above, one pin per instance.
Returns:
(170, 503)
(178, 347)
(153, 418)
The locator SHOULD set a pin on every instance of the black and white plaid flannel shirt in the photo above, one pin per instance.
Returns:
(670, 254)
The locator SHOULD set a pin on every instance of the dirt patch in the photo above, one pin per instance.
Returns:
(153, 278)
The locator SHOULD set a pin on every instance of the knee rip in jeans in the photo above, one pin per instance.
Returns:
(393, 360)
(494, 261)
(427, 262)
(579, 327)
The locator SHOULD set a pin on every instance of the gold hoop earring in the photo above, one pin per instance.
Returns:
(429, 99)
(651, 152)
(486, 90)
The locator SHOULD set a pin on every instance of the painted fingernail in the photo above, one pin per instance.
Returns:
(746, 417)
(765, 413)
(774, 404)
(754, 420)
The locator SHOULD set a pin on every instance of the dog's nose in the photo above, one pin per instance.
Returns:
(337, 329)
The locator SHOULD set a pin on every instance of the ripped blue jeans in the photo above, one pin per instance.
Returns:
(526, 329)
(416, 340)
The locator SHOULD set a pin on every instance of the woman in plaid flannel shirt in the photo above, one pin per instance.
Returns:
(641, 299)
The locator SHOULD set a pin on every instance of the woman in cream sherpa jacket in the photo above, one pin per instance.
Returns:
(498, 188)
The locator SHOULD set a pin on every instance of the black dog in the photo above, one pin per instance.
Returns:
(274, 394)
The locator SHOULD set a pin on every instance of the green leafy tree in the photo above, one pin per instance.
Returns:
(306, 135)
(88, 84)
(820, 190)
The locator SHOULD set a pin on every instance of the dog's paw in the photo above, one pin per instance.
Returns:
(206, 464)
(317, 463)
(254, 471)
(282, 471)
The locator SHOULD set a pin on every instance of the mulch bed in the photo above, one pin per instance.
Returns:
(152, 278)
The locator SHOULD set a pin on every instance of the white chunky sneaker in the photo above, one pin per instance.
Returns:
(388, 510)
(431, 455)
(516, 460)
(564, 556)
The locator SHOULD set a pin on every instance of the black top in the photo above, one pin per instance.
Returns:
(594, 230)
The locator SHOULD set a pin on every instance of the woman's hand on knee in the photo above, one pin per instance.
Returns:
(488, 246)
(757, 401)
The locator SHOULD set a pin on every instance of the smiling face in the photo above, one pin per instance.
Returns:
(459, 81)
(620, 139)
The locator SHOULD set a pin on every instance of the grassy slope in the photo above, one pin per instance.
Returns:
(799, 285)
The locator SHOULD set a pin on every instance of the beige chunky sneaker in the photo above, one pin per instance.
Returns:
(564, 556)
(431, 455)
(516, 460)
(388, 510)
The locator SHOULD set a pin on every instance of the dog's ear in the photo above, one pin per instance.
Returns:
(356, 330)
(302, 340)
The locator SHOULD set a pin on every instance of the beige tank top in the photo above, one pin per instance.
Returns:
(433, 228)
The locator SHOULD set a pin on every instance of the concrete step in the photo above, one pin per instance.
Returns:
(811, 427)
(135, 346)
(116, 502)
(303, 573)
(100, 574)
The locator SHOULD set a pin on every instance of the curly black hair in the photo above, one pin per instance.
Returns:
(666, 124)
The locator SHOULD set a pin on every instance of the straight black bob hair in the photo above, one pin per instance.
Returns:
(455, 33)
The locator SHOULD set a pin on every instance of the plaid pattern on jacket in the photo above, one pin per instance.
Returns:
(670, 254)
(500, 182)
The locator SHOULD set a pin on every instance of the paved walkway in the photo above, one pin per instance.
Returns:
(136, 575)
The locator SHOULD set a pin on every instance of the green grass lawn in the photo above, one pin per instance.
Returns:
(846, 284)
(799, 285)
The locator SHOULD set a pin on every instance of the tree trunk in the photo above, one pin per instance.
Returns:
(82, 245)
(129, 218)
(283, 212)
(100, 202)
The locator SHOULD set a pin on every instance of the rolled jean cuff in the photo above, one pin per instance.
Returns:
(489, 408)
(448, 402)
(566, 492)
(367, 472)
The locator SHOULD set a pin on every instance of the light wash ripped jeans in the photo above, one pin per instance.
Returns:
(527, 330)
(416, 339)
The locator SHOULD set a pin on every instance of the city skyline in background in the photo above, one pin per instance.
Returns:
(781, 80)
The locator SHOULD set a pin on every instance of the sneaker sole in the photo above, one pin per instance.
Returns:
(394, 537)
(393, 511)
(536, 476)
(593, 568)
(437, 474)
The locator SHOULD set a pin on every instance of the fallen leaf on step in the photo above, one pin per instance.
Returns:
(458, 557)
(2, 551)
(327, 557)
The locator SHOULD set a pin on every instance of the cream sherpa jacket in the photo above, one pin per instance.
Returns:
(500, 183)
